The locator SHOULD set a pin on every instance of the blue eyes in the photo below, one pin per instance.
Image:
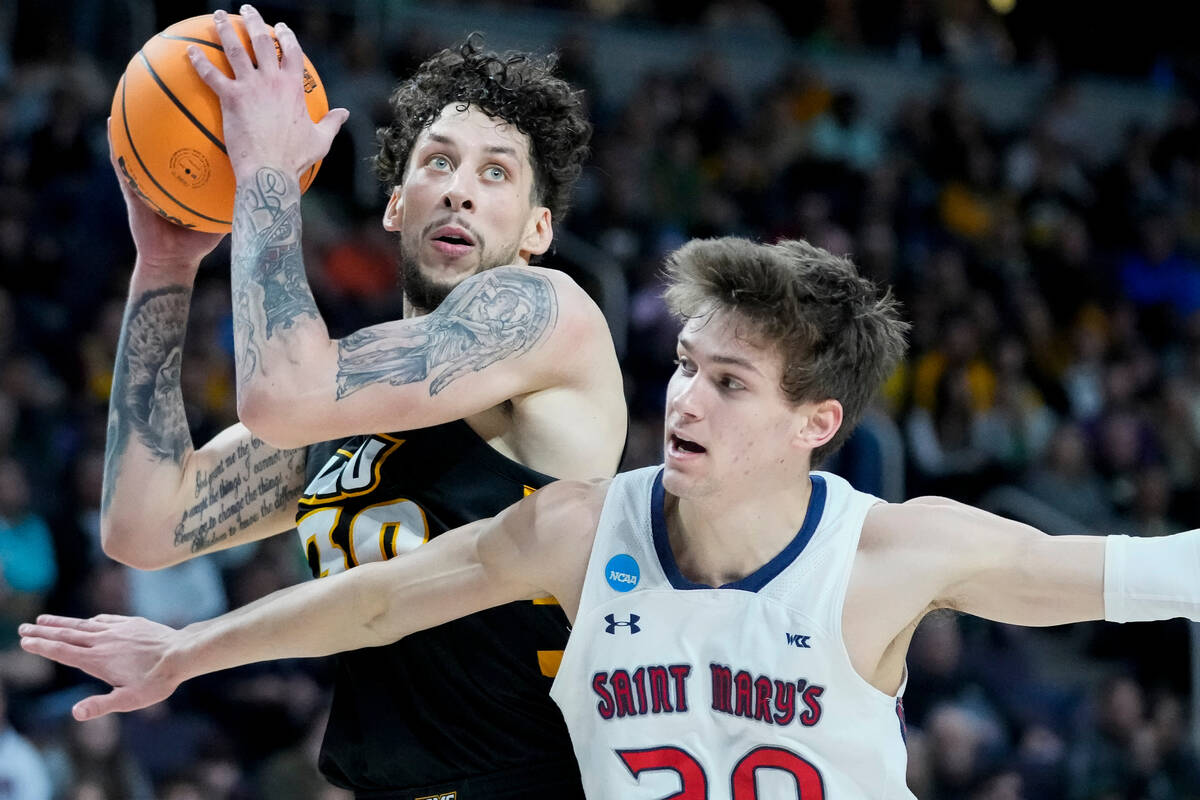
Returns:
(443, 164)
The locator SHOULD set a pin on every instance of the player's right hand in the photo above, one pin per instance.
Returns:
(161, 244)
(264, 115)
(125, 652)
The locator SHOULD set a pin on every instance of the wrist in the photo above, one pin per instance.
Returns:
(170, 269)
(250, 173)
(186, 655)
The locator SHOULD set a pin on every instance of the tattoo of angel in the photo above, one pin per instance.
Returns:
(497, 314)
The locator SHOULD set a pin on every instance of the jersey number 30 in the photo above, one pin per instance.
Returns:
(694, 781)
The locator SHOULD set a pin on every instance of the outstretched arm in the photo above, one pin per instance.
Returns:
(945, 554)
(537, 547)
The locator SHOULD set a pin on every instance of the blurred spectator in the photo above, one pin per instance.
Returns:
(939, 674)
(1151, 503)
(27, 563)
(94, 762)
(1083, 378)
(1018, 425)
(1158, 277)
(1067, 481)
(946, 443)
(1118, 757)
(844, 135)
(23, 771)
(1004, 784)
(1177, 758)
(961, 744)
(178, 595)
(972, 35)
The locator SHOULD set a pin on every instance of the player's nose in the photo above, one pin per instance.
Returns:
(457, 196)
(685, 399)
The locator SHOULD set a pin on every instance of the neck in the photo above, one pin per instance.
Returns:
(717, 541)
(411, 311)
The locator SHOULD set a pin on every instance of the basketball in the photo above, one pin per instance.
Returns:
(166, 126)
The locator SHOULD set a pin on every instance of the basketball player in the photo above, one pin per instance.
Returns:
(500, 378)
(740, 623)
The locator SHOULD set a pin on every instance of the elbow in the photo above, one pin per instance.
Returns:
(119, 541)
(272, 417)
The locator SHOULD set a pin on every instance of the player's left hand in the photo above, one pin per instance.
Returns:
(125, 652)
(266, 122)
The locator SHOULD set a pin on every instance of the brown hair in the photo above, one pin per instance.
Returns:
(519, 88)
(840, 337)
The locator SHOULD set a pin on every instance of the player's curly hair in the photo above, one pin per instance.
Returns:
(839, 335)
(519, 88)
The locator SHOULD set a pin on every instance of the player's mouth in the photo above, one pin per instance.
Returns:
(680, 448)
(452, 241)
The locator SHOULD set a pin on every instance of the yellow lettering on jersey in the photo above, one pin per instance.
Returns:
(446, 796)
(351, 479)
(545, 601)
(311, 544)
(383, 524)
(549, 661)
(528, 491)
(321, 522)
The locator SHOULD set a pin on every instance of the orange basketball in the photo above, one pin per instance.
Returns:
(166, 126)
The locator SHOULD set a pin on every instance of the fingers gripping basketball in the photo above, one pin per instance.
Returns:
(167, 126)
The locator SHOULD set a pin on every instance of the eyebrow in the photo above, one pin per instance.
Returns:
(495, 149)
(500, 149)
(719, 358)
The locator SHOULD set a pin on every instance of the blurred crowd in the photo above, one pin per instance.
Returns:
(1054, 373)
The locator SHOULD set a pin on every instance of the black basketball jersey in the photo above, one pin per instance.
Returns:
(463, 710)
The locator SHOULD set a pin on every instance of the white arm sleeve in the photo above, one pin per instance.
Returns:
(1155, 578)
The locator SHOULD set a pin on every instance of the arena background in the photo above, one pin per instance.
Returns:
(1027, 176)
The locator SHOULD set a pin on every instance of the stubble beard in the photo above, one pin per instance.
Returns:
(424, 294)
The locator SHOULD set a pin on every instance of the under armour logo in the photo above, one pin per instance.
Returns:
(614, 623)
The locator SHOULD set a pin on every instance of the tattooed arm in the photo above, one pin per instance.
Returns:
(504, 333)
(163, 501)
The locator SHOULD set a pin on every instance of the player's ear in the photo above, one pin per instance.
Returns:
(818, 423)
(539, 233)
(393, 215)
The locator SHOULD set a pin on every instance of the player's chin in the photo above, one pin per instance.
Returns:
(682, 480)
(448, 273)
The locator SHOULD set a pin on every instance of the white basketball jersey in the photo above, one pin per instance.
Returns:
(676, 691)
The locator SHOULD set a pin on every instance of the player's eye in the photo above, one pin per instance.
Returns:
(732, 383)
(495, 173)
(439, 162)
(685, 365)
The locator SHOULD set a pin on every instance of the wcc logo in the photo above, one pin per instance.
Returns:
(614, 623)
(798, 640)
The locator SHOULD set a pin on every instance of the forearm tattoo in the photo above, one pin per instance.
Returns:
(252, 482)
(497, 314)
(146, 398)
(270, 291)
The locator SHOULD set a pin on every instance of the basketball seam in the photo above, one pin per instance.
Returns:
(142, 164)
(192, 39)
(171, 96)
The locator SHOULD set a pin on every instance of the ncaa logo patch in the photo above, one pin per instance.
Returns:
(622, 573)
